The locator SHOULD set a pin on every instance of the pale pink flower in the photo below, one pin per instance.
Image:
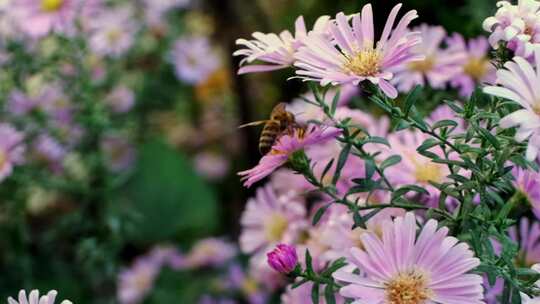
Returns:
(284, 147)
(414, 168)
(275, 51)
(475, 68)
(517, 26)
(121, 99)
(210, 252)
(401, 267)
(194, 59)
(212, 166)
(119, 152)
(270, 219)
(351, 55)
(527, 235)
(112, 33)
(520, 82)
(50, 151)
(11, 150)
(437, 67)
(38, 18)
(33, 298)
(136, 282)
(527, 182)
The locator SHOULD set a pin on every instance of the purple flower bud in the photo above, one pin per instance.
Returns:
(283, 258)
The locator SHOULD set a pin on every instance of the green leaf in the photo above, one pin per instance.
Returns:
(327, 168)
(428, 144)
(334, 103)
(412, 98)
(168, 197)
(343, 156)
(376, 140)
(319, 214)
(389, 162)
(329, 294)
(445, 124)
(315, 293)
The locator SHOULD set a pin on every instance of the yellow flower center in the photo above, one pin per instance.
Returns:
(275, 226)
(408, 288)
(114, 35)
(51, 5)
(428, 172)
(364, 63)
(3, 159)
(422, 66)
(536, 108)
(249, 286)
(476, 68)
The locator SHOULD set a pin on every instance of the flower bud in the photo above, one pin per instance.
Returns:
(283, 258)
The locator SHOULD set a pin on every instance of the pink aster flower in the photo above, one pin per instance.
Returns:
(283, 258)
(528, 183)
(401, 267)
(517, 26)
(194, 59)
(270, 219)
(119, 152)
(520, 82)
(210, 252)
(284, 147)
(351, 55)
(475, 68)
(49, 151)
(527, 236)
(112, 33)
(415, 168)
(136, 282)
(121, 99)
(38, 18)
(11, 150)
(33, 298)
(275, 51)
(437, 67)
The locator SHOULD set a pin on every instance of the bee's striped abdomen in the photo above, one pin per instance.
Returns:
(268, 136)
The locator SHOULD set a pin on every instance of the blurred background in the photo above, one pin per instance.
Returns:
(132, 142)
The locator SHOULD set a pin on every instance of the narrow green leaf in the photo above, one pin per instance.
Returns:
(391, 161)
(320, 212)
(315, 293)
(412, 98)
(343, 156)
(329, 294)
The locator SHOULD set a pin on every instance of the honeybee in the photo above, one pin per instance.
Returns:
(280, 121)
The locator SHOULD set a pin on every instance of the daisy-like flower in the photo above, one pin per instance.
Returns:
(113, 32)
(527, 183)
(121, 99)
(33, 298)
(270, 219)
(401, 267)
(275, 51)
(38, 18)
(350, 55)
(437, 67)
(135, 282)
(527, 236)
(415, 168)
(520, 82)
(284, 147)
(475, 68)
(11, 150)
(194, 59)
(210, 252)
(518, 26)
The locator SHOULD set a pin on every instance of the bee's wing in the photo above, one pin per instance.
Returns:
(252, 124)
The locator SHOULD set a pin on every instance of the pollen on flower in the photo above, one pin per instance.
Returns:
(364, 63)
(408, 288)
(422, 66)
(275, 227)
(428, 172)
(476, 68)
(51, 5)
(536, 108)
